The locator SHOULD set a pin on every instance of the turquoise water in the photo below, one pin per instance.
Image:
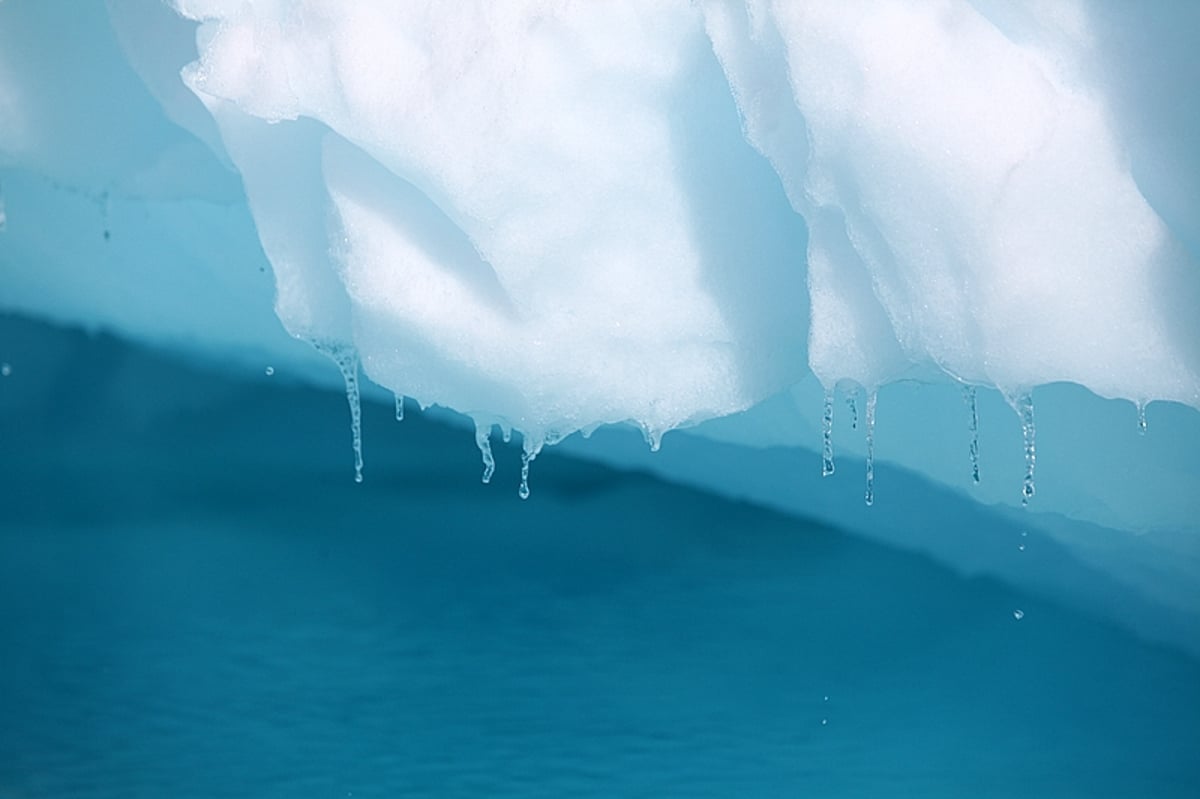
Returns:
(196, 600)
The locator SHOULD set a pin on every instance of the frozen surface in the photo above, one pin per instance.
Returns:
(247, 621)
(553, 218)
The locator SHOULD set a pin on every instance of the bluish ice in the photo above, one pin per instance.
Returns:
(197, 600)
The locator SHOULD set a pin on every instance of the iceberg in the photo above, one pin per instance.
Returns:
(954, 245)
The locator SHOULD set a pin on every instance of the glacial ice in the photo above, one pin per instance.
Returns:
(719, 216)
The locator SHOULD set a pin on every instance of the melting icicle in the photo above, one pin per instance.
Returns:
(483, 440)
(529, 451)
(1024, 406)
(1141, 410)
(346, 359)
(852, 404)
(870, 495)
(827, 436)
(523, 491)
(973, 426)
(400, 410)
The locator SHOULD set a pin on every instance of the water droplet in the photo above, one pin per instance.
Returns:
(270, 370)
(1141, 412)
(346, 359)
(824, 722)
(1024, 407)
(852, 404)
(483, 440)
(826, 699)
(973, 427)
(1018, 614)
(870, 494)
(5, 369)
(1021, 547)
(400, 409)
(827, 436)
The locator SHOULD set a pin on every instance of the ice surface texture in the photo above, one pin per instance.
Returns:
(553, 217)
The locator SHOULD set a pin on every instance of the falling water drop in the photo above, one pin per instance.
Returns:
(270, 370)
(483, 440)
(346, 359)
(827, 436)
(1141, 411)
(1018, 614)
(972, 408)
(852, 405)
(5, 369)
(400, 409)
(1024, 407)
(870, 495)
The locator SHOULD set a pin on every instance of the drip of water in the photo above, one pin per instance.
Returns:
(346, 359)
(827, 436)
(483, 440)
(852, 404)
(5, 369)
(1024, 406)
(1141, 411)
(270, 370)
(400, 410)
(870, 495)
(972, 408)
(1018, 614)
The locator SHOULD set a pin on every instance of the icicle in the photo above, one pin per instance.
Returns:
(827, 436)
(1024, 406)
(529, 452)
(870, 495)
(526, 459)
(400, 410)
(973, 426)
(346, 359)
(483, 440)
(852, 404)
(1141, 410)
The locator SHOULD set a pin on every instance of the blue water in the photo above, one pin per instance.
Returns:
(196, 600)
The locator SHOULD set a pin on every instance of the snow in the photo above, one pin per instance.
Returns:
(673, 215)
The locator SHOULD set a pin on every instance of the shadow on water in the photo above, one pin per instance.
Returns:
(197, 600)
